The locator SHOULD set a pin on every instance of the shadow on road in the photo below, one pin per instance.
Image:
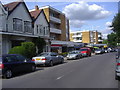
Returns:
(25, 73)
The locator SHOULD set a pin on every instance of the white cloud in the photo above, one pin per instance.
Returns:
(108, 30)
(108, 24)
(76, 23)
(82, 12)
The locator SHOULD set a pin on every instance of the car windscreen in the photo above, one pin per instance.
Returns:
(83, 49)
(97, 49)
(74, 52)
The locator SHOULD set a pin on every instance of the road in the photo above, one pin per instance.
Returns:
(97, 71)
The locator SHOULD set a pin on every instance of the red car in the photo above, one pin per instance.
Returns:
(85, 51)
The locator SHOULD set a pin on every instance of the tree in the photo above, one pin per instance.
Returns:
(112, 39)
(30, 50)
(116, 26)
(40, 43)
(105, 41)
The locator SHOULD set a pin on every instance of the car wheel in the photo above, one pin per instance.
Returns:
(8, 74)
(51, 63)
(33, 68)
(77, 57)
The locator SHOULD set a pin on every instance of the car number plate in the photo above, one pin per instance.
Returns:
(38, 59)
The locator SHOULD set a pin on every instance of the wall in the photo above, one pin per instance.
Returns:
(63, 27)
(41, 21)
(47, 11)
(21, 13)
(86, 37)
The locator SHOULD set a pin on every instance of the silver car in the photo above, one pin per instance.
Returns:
(99, 51)
(74, 55)
(117, 75)
(48, 59)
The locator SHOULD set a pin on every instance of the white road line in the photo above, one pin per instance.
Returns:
(64, 75)
(60, 77)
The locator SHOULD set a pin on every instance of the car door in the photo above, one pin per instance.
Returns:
(24, 65)
(12, 63)
(54, 58)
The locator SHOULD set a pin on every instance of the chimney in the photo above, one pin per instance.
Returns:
(36, 7)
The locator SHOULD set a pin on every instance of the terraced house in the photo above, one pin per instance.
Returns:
(16, 27)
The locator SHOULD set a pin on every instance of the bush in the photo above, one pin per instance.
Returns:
(17, 50)
(30, 49)
(64, 54)
(26, 49)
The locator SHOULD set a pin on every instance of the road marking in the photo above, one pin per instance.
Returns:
(60, 77)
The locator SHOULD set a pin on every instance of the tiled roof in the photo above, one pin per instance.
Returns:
(11, 6)
(35, 13)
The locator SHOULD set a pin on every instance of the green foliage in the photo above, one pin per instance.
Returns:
(64, 54)
(30, 49)
(105, 41)
(40, 43)
(116, 26)
(112, 39)
(17, 50)
(26, 49)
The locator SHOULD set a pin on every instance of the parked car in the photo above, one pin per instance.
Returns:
(11, 64)
(106, 51)
(74, 55)
(85, 51)
(117, 74)
(99, 51)
(48, 59)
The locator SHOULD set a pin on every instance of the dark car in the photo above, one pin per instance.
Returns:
(11, 64)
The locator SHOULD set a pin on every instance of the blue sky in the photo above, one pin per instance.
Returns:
(96, 21)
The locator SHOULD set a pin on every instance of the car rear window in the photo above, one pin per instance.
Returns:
(83, 49)
(9, 58)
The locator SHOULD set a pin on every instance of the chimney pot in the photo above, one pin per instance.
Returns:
(36, 7)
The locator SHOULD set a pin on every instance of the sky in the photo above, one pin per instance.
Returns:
(84, 15)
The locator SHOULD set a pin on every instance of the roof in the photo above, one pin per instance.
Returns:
(35, 13)
(11, 6)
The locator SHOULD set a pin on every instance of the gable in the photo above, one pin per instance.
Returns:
(2, 10)
(19, 11)
(41, 19)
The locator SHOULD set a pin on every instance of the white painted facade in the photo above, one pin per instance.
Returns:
(3, 17)
(10, 34)
(21, 13)
(41, 28)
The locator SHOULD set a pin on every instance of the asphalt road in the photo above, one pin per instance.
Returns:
(97, 71)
